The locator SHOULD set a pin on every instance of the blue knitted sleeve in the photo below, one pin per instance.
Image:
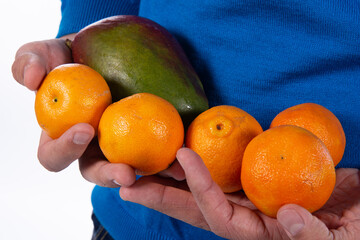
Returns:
(77, 14)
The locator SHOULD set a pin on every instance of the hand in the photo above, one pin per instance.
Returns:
(233, 216)
(33, 61)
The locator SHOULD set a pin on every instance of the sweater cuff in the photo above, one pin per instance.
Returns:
(78, 14)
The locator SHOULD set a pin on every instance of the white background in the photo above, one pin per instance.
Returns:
(34, 203)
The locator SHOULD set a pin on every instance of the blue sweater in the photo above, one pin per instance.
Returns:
(262, 56)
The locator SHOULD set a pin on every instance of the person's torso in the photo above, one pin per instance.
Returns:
(264, 56)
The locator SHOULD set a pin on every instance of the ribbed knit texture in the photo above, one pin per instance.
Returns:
(77, 14)
(265, 56)
(262, 56)
(130, 221)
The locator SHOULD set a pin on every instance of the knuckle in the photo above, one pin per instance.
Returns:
(94, 172)
(14, 70)
(162, 200)
(103, 175)
(47, 164)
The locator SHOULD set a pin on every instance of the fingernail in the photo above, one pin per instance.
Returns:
(291, 221)
(114, 181)
(81, 138)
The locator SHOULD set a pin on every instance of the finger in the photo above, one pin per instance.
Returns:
(34, 60)
(239, 198)
(175, 171)
(156, 193)
(208, 195)
(29, 70)
(299, 224)
(105, 174)
(57, 154)
(96, 169)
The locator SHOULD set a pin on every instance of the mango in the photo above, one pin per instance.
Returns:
(135, 54)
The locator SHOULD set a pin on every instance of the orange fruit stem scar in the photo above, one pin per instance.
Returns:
(71, 94)
(219, 136)
(287, 164)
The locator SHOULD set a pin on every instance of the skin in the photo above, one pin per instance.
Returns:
(198, 200)
(233, 216)
(32, 62)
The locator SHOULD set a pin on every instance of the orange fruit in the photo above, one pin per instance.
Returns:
(143, 131)
(318, 120)
(71, 94)
(287, 164)
(219, 136)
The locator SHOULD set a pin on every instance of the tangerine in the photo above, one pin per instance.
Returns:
(219, 136)
(143, 131)
(287, 164)
(70, 94)
(318, 120)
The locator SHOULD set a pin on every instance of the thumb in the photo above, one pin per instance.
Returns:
(301, 224)
(57, 154)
